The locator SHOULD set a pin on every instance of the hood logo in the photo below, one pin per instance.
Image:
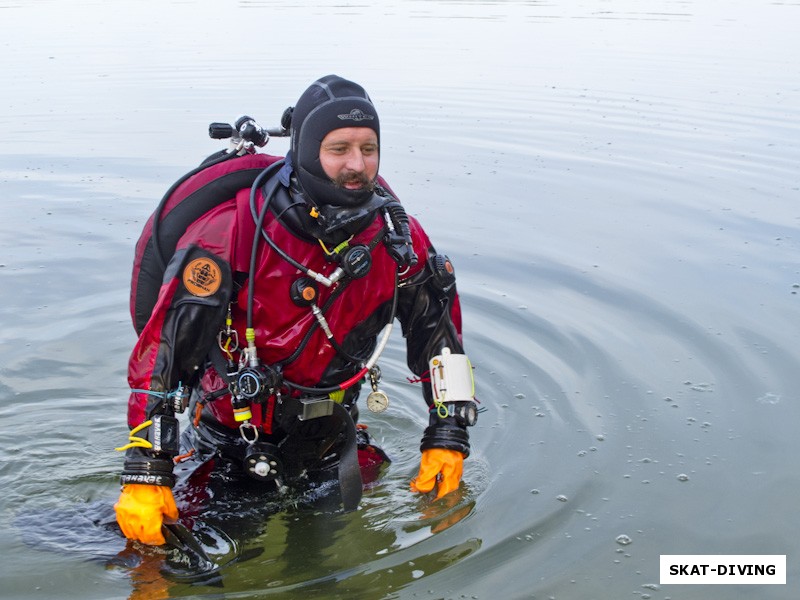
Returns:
(356, 115)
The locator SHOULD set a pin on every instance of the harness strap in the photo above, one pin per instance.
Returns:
(350, 484)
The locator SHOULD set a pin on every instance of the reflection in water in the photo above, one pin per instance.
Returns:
(616, 187)
(274, 542)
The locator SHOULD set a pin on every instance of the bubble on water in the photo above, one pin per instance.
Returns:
(582, 453)
(561, 498)
(651, 586)
(534, 491)
(519, 396)
(624, 540)
(683, 477)
(600, 437)
(769, 398)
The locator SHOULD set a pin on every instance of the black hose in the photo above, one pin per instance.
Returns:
(259, 232)
(260, 219)
(251, 284)
(400, 244)
(336, 388)
(315, 324)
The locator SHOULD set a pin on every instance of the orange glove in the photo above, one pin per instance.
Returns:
(141, 509)
(439, 465)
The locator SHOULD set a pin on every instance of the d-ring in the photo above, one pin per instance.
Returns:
(243, 427)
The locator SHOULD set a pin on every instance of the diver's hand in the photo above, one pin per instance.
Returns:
(439, 466)
(141, 509)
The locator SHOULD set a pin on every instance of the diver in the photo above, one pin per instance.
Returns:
(272, 313)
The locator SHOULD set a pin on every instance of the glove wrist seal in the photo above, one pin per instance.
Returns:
(447, 436)
(149, 471)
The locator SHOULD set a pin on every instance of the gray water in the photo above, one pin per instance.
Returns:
(616, 183)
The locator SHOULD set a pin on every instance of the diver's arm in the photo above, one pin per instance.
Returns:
(169, 353)
(429, 310)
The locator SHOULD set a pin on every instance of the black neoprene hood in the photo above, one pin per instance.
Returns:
(329, 103)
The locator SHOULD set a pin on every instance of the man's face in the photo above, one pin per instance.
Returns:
(349, 156)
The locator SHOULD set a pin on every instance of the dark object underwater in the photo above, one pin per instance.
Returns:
(178, 536)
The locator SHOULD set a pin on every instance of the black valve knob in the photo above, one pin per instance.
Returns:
(220, 131)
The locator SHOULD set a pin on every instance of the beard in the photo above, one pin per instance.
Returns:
(344, 179)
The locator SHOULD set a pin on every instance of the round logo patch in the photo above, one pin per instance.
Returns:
(202, 277)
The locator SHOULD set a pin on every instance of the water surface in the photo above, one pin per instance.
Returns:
(616, 184)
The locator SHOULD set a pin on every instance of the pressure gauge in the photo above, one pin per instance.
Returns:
(377, 401)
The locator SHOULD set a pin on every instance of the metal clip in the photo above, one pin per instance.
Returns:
(374, 377)
(377, 401)
(228, 338)
(248, 425)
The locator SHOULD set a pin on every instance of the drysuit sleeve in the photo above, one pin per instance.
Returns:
(170, 351)
(430, 314)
